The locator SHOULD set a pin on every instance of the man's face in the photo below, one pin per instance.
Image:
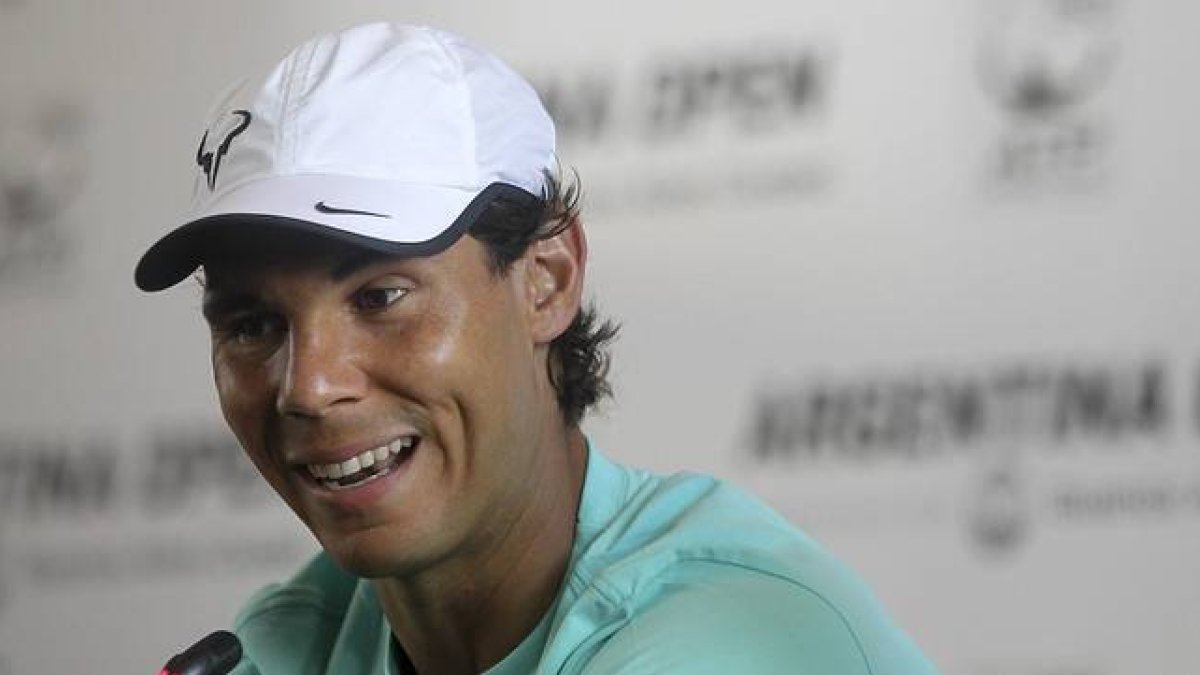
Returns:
(427, 369)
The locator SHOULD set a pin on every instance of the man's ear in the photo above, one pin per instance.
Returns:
(555, 281)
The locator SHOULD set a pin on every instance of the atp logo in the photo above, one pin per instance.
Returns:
(1044, 56)
(210, 159)
(1047, 64)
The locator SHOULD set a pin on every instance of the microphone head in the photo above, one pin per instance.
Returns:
(215, 654)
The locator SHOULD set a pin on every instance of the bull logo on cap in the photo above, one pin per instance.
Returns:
(210, 160)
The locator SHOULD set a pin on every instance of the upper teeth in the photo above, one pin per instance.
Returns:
(361, 461)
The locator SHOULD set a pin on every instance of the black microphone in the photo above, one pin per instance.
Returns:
(215, 654)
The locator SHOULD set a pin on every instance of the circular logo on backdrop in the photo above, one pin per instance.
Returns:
(1041, 56)
(41, 172)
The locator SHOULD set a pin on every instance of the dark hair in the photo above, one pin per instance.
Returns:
(578, 361)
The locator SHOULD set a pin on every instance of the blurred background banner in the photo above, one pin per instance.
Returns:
(920, 274)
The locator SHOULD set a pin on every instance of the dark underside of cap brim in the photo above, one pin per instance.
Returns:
(181, 252)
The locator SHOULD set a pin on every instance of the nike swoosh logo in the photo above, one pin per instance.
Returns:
(322, 207)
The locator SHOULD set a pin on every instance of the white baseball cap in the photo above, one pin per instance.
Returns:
(393, 137)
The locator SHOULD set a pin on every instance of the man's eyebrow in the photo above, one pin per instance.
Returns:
(355, 263)
(218, 303)
(219, 300)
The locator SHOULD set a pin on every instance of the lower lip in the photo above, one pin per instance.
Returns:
(364, 494)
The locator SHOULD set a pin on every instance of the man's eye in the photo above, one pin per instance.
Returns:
(373, 299)
(253, 328)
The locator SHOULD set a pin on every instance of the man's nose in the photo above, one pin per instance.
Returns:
(320, 373)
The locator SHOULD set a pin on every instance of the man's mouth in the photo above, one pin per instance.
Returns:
(366, 466)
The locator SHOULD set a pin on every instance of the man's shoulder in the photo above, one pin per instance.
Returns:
(665, 521)
(708, 618)
(695, 569)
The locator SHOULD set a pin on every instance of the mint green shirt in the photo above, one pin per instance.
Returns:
(680, 574)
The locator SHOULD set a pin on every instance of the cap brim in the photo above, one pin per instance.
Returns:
(379, 227)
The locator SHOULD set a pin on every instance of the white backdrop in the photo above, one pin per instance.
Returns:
(920, 274)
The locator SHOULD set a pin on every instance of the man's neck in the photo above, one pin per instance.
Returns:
(467, 615)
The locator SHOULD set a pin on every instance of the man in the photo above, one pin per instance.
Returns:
(415, 394)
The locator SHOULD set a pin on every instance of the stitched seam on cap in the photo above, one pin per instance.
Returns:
(469, 108)
(299, 67)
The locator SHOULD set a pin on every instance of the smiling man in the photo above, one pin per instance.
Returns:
(393, 276)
